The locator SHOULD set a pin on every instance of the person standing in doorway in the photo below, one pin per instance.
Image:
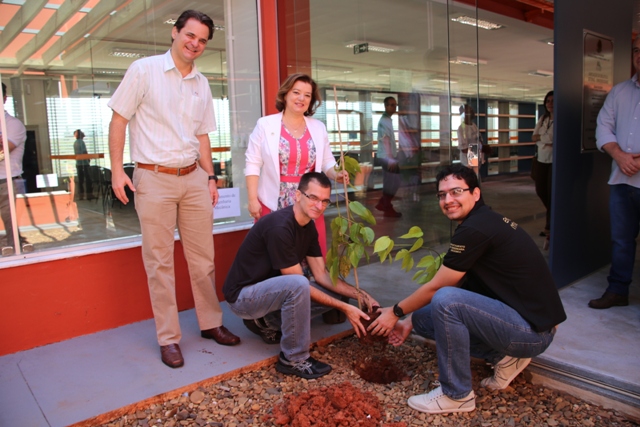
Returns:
(617, 135)
(168, 106)
(386, 158)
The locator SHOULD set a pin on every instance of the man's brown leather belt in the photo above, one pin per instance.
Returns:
(171, 171)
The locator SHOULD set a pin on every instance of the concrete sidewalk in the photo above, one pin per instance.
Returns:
(81, 378)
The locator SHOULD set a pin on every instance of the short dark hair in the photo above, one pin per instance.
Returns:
(459, 172)
(80, 134)
(4, 90)
(287, 85)
(319, 177)
(198, 16)
(387, 99)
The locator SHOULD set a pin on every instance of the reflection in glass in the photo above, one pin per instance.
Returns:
(64, 84)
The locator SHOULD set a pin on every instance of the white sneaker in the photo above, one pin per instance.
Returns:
(504, 372)
(436, 402)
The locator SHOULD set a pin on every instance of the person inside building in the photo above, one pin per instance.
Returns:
(386, 158)
(469, 141)
(85, 185)
(617, 136)
(493, 298)
(267, 288)
(541, 169)
(16, 138)
(166, 102)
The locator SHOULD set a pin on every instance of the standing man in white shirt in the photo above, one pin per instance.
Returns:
(168, 106)
(16, 137)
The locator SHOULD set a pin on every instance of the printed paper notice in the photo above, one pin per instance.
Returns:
(228, 203)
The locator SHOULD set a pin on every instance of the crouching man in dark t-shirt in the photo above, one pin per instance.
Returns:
(267, 288)
(493, 298)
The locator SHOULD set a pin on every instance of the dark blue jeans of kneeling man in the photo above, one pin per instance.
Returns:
(285, 303)
(624, 210)
(466, 324)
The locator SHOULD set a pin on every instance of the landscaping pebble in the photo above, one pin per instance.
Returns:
(252, 399)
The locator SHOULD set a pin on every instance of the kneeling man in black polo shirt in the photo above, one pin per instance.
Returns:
(267, 287)
(493, 298)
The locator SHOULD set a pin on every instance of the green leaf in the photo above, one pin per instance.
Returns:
(422, 278)
(417, 245)
(351, 165)
(382, 244)
(426, 261)
(334, 270)
(368, 234)
(355, 254)
(354, 232)
(407, 262)
(360, 210)
(383, 247)
(331, 255)
(401, 254)
(413, 233)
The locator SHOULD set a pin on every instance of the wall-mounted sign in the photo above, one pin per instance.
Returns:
(228, 203)
(597, 81)
(360, 48)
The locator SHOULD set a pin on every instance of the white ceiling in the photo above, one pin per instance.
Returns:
(421, 30)
(426, 39)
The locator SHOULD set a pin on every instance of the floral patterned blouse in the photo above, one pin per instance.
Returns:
(297, 157)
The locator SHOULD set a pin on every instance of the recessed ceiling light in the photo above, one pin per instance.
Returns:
(463, 60)
(126, 53)
(373, 46)
(480, 23)
(486, 85)
(444, 81)
(541, 73)
(336, 68)
(523, 89)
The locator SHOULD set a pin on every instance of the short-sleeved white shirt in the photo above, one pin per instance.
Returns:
(17, 134)
(165, 111)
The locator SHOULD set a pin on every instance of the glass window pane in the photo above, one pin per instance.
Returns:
(62, 84)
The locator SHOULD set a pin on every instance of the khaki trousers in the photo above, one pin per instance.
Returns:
(162, 202)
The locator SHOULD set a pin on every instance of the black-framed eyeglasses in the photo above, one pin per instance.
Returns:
(314, 199)
(454, 192)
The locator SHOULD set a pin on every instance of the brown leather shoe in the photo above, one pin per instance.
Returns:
(171, 355)
(608, 300)
(221, 335)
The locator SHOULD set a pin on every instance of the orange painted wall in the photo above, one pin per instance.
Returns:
(269, 60)
(53, 301)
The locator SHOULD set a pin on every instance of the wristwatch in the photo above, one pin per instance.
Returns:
(213, 177)
(398, 311)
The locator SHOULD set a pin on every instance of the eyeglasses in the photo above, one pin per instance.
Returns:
(454, 192)
(314, 199)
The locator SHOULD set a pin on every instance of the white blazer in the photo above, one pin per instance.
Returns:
(262, 157)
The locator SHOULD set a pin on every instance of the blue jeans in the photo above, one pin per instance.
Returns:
(466, 324)
(624, 209)
(285, 303)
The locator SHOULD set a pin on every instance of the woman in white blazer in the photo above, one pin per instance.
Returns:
(285, 146)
